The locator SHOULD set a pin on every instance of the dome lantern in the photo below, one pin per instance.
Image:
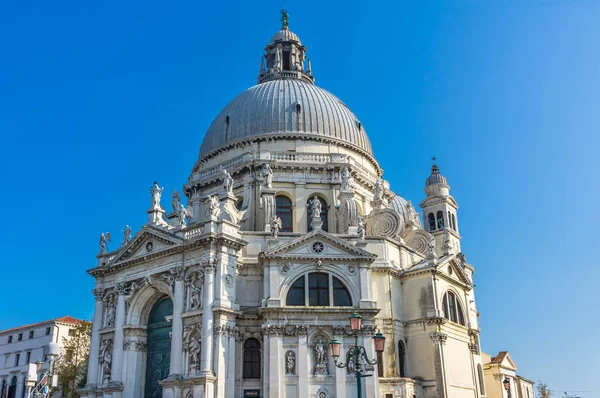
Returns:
(285, 56)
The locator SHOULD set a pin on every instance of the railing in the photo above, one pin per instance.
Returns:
(215, 170)
(193, 233)
(301, 157)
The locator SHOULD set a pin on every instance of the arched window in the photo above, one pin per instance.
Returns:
(323, 213)
(401, 358)
(453, 222)
(318, 289)
(251, 359)
(283, 209)
(452, 309)
(440, 219)
(431, 218)
(481, 382)
(299, 116)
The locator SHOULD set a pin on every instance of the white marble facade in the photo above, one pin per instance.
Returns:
(288, 229)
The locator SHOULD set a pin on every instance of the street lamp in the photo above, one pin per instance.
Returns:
(48, 379)
(506, 383)
(356, 353)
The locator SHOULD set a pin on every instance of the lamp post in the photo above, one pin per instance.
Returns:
(506, 383)
(48, 379)
(356, 354)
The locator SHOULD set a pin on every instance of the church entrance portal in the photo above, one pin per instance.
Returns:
(159, 347)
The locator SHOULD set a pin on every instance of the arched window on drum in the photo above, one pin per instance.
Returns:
(283, 209)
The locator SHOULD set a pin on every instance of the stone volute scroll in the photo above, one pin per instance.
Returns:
(383, 221)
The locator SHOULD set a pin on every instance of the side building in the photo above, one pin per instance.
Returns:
(27, 344)
(502, 380)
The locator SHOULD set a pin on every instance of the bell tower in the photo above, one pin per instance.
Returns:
(439, 213)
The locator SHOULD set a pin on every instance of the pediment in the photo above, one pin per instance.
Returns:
(146, 242)
(458, 272)
(319, 244)
(508, 363)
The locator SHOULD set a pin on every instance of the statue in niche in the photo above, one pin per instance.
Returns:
(126, 235)
(276, 225)
(194, 352)
(103, 245)
(315, 207)
(290, 363)
(175, 201)
(361, 229)
(346, 179)
(156, 192)
(267, 173)
(110, 310)
(227, 181)
(195, 297)
(378, 190)
(320, 358)
(106, 359)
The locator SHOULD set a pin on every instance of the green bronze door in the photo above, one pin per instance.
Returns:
(159, 347)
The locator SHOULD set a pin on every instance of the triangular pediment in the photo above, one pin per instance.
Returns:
(508, 363)
(458, 272)
(319, 244)
(146, 242)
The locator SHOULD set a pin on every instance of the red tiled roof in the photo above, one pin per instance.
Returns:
(500, 357)
(64, 319)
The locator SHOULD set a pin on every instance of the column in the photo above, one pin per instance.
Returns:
(177, 328)
(276, 364)
(133, 360)
(207, 318)
(230, 386)
(222, 346)
(19, 391)
(302, 364)
(117, 356)
(92, 375)
(340, 373)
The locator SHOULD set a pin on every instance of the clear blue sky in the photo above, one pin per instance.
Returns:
(98, 99)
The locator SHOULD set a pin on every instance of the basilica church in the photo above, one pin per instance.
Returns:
(237, 284)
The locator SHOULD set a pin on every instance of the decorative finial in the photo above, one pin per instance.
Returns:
(284, 19)
(434, 167)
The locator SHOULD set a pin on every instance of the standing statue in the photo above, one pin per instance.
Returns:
(378, 191)
(275, 226)
(290, 364)
(284, 19)
(182, 212)
(267, 173)
(110, 313)
(195, 349)
(156, 191)
(103, 245)
(320, 353)
(361, 229)
(227, 181)
(315, 207)
(175, 201)
(214, 205)
(277, 62)
(195, 299)
(413, 215)
(346, 179)
(106, 363)
(126, 235)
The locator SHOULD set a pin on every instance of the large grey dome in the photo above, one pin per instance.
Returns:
(285, 108)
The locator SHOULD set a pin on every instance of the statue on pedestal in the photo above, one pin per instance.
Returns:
(126, 235)
(103, 238)
(227, 181)
(315, 207)
(346, 179)
(175, 201)
(267, 173)
(156, 192)
(361, 230)
(275, 226)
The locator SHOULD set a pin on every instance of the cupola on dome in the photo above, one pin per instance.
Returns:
(285, 105)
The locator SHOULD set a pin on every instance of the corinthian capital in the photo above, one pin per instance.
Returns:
(178, 273)
(209, 265)
(121, 288)
(99, 293)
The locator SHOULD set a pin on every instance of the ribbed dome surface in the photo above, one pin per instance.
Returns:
(400, 206)
(435, 177)
(284, 35)
(271, 109)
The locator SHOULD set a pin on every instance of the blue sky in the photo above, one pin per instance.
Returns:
(98, 99)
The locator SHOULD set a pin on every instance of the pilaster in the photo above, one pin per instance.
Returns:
(116, 373)
(92, 375)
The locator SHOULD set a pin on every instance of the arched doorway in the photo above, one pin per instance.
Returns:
(159, 347)
(12, 388)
